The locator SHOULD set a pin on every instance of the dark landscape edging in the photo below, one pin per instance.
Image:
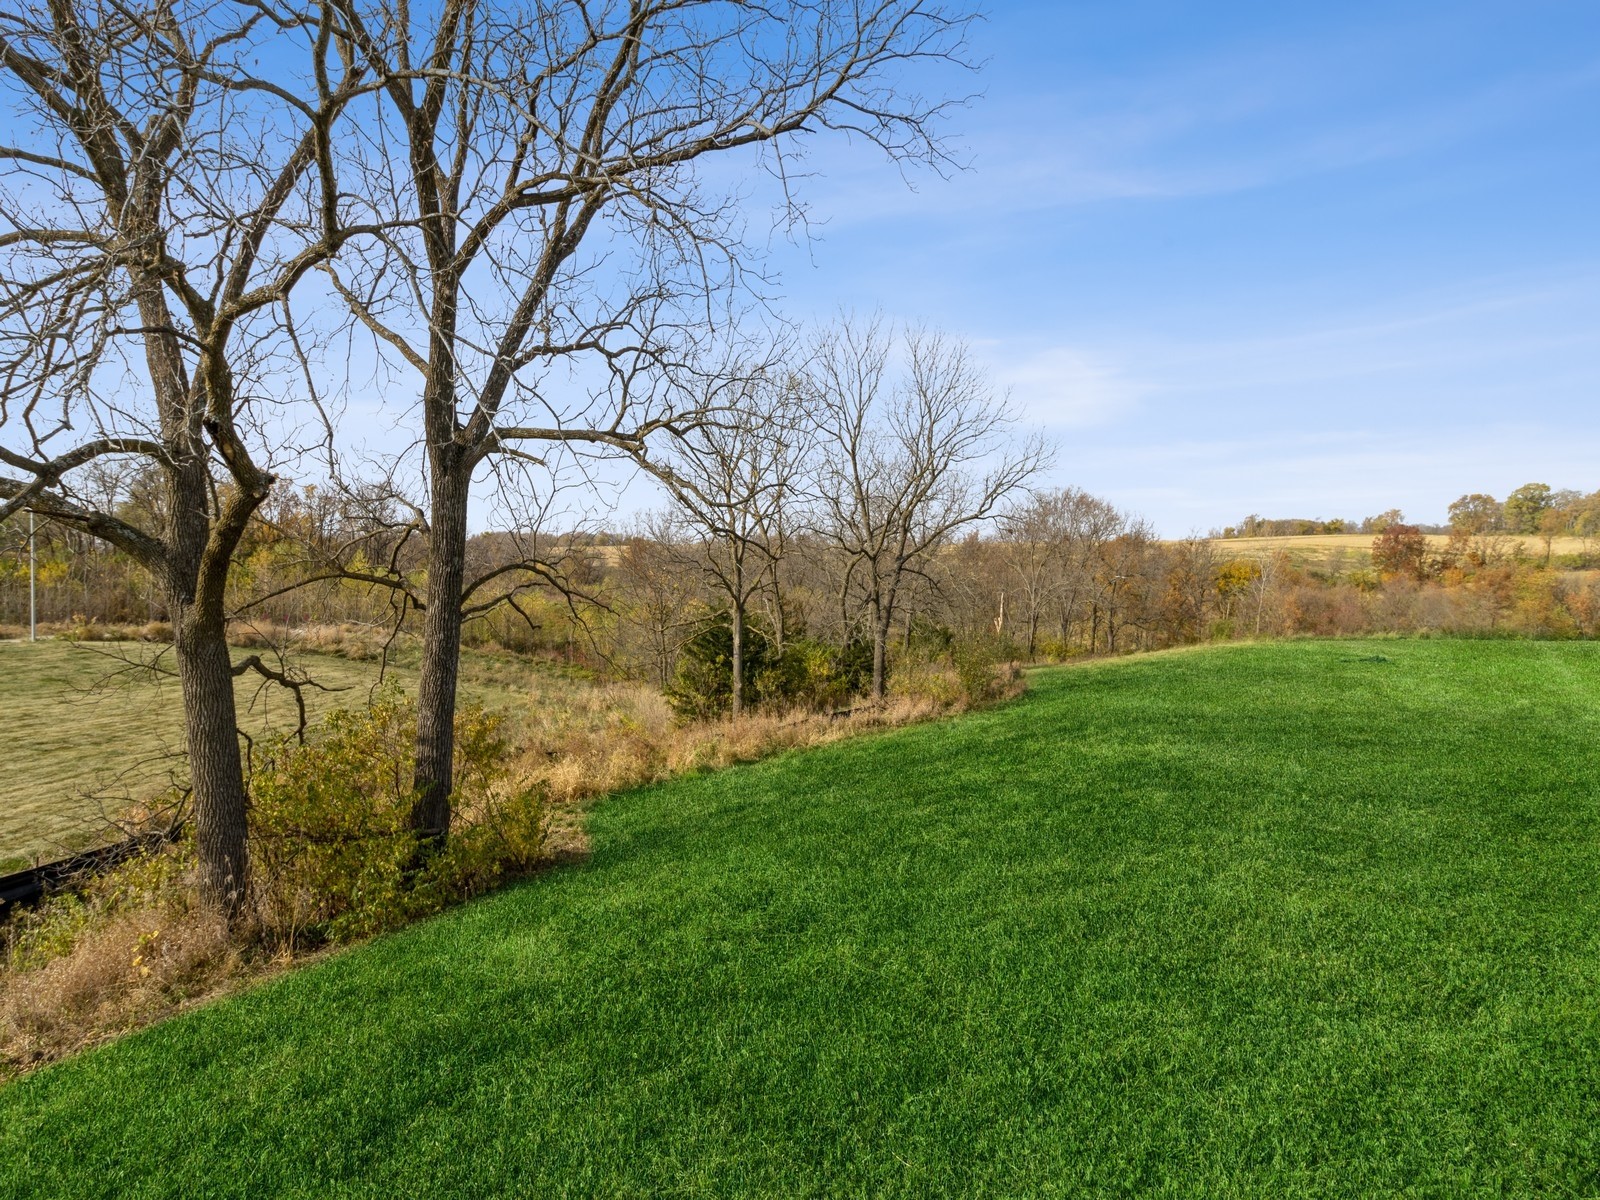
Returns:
(32, 885)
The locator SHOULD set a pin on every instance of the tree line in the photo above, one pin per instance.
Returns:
(225, 228)
(1532, 509)
(220, 223)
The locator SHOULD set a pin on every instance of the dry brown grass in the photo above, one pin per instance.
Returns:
(623, 737)
(131, 948)
(1359, 545)
(136, 948)
(138, 968)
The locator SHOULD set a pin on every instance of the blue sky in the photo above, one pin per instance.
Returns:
(1295, 258)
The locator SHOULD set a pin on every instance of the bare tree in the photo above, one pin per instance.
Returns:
(904, 462)
(1090, 524)
(558, 245)
(1191, 585)
(1266, 585)
(735, 479)
(163, 193)
(1038, 533)
(1120, 581)
(657, 597)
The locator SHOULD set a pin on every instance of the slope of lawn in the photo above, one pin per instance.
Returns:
(1314, 919)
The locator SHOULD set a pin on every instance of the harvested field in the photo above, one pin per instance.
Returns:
(86, 730)
(1355, 549)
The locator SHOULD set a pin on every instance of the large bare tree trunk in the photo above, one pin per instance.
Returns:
(441, 652)
(197, 568)
(205, 671)
(880, 652)
(738, 657)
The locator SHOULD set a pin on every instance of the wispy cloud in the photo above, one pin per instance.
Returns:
(1320, 260)
(1408, 403)
(1486, 324)
(1062, 387)
(1232, 123)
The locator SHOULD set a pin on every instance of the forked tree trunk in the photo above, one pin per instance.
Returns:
(195, 596)
(441, 655)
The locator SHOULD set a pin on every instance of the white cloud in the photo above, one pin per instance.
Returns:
(1201, 485)
(1063, 387)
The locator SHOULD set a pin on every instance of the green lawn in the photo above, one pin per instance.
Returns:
(1314, 919)
(77, 724)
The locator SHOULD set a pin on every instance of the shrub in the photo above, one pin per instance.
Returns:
(968, 671)
(806, 672)
(931, 680)
(1053, 648)
(702, 685)
(980, 666)
(815, 675)
(334, 855)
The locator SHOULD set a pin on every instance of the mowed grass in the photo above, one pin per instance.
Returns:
(1305, 919)
(81, 732)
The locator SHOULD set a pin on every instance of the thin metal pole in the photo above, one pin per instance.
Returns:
(33, 590)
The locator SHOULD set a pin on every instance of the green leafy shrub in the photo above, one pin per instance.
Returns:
(702, 686)
(816, 675)
(334, 855)
(806, 672)
(1053, 648)
(978, 665)
(920, 677)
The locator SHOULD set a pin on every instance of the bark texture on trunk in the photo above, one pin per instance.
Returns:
(738, 657)
(880, 654)
(441, 657)
(200, 546)
(221, 810)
